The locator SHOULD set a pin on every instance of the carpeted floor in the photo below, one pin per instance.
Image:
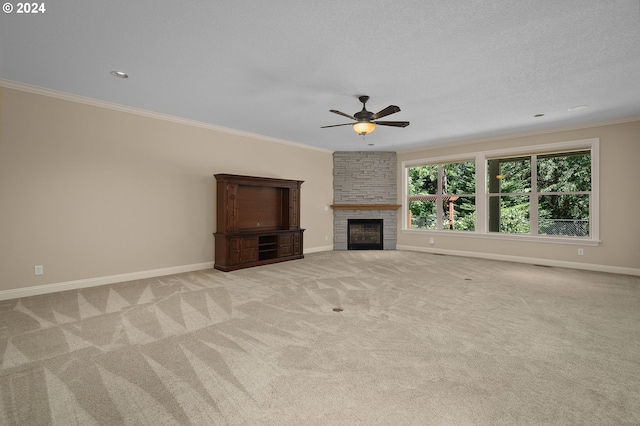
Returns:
(422, 339)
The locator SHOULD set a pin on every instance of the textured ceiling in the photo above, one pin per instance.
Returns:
(459, 70)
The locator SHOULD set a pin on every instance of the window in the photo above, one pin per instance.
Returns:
(564, 186)
(442, 196)
(509, 181)
(555, 202)
(546, 193)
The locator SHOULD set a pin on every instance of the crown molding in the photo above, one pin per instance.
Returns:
(471, 141)
(37, 90)
(15, 85)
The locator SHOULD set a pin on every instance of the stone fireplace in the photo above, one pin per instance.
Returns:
(365, 187)
(365, 234)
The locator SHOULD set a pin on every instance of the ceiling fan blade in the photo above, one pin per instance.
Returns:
(393, 123)
(342, 114)
(391, 109)
(336, 125)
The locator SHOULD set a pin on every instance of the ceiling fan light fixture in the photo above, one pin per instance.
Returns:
(364, 120)
(364, 127)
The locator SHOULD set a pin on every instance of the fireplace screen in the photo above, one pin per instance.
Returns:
(364, 234)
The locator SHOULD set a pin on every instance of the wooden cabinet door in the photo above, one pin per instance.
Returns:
(294, 208)
(234, 251)
(297, 243)
(285, 245)
(231, 194)
(249, 249)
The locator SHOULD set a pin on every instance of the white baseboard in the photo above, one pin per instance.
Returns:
(112, 279)
(94, 282)
(530, 260)
(318, 249)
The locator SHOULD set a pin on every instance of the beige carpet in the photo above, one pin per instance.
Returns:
(422, 339)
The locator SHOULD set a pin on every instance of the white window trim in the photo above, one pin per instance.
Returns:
(482, 219)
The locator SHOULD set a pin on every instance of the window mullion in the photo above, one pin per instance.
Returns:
(405, 198)
(481, 194)
(533, 202)
(439, 208)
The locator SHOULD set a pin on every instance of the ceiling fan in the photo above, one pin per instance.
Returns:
(364, 119)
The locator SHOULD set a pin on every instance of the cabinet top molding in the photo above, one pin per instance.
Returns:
(257, 180)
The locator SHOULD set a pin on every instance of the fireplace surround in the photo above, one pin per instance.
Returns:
(365, 234)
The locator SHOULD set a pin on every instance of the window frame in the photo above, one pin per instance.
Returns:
(439, 194)
(482, 192)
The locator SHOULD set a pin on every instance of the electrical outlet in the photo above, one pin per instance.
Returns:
(431, 241)
(38, 270)
(580, 252)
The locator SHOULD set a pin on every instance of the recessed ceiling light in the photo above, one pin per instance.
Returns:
(578, 107)
(119, 74)
(539, 115)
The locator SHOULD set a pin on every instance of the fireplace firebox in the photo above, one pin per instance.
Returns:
(365, 234)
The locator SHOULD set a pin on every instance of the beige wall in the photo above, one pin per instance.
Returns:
(92, 192)
(619, 202)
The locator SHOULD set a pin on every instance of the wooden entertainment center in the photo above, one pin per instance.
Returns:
(258, 221)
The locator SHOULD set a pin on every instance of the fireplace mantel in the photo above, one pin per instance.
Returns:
(366, 206)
